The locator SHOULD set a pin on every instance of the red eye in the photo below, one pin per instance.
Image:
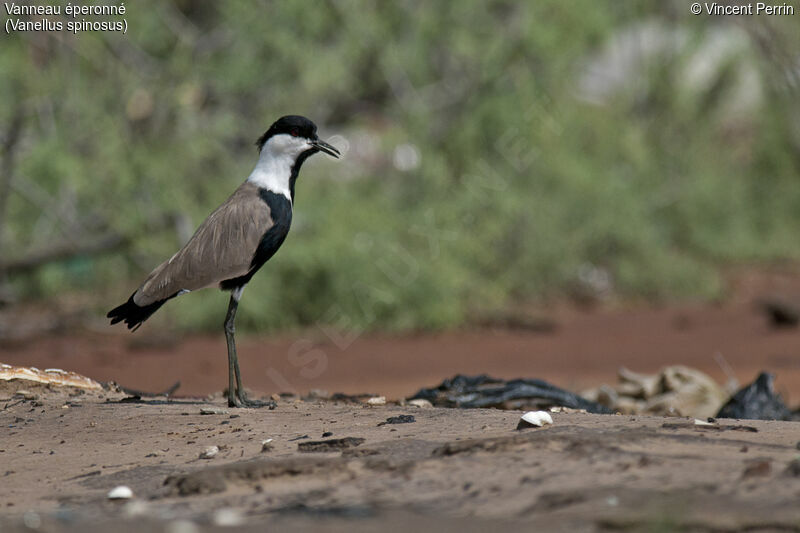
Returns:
(294, 132)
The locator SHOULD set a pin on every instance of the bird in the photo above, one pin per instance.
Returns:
(236, 239)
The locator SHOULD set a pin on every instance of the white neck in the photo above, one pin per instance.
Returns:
(272, 173)
(274, 167)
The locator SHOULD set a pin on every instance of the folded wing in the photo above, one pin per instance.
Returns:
(223, 247)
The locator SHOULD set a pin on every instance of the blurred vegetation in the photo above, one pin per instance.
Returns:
(498, 152)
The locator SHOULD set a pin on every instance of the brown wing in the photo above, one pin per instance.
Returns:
(222, 248)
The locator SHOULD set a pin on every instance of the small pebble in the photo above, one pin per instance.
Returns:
(209, 452)
(377, 400)
(121, 492)
(420, 402)
(266, 445)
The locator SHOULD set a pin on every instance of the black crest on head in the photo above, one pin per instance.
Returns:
(293, 125)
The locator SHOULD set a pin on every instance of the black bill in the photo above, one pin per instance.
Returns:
(322, 146)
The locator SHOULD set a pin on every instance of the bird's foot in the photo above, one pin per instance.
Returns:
(241, 400)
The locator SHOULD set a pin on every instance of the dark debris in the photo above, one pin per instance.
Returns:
(400, 419)
(485, 391)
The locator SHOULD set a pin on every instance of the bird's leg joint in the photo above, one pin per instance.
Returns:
(230, 328)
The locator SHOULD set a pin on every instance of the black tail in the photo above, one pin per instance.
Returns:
(132, 314)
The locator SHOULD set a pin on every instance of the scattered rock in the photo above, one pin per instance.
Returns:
(327, 434)
(377, 400)
(121, 492)
(266, 445)
(400, 419)
(213, 411)
(534, 419)
(420, 402)
(209, 452)
(331, 445)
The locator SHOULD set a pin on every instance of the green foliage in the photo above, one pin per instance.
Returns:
(522, 183)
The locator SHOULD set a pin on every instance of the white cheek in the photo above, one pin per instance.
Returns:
(286, 144)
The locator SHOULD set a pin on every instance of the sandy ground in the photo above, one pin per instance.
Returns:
(61, 451)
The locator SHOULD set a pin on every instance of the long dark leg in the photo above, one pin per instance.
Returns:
(233, 360)
(236, 394)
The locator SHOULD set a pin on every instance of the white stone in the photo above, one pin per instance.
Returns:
(209, 452)
(121, 492)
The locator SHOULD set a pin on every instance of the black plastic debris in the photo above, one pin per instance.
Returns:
(757, 401)
(485, 391)
(399, 419)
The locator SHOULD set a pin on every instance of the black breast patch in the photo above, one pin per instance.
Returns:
(280, 210)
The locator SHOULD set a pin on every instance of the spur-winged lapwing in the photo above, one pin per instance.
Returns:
(236, 239)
